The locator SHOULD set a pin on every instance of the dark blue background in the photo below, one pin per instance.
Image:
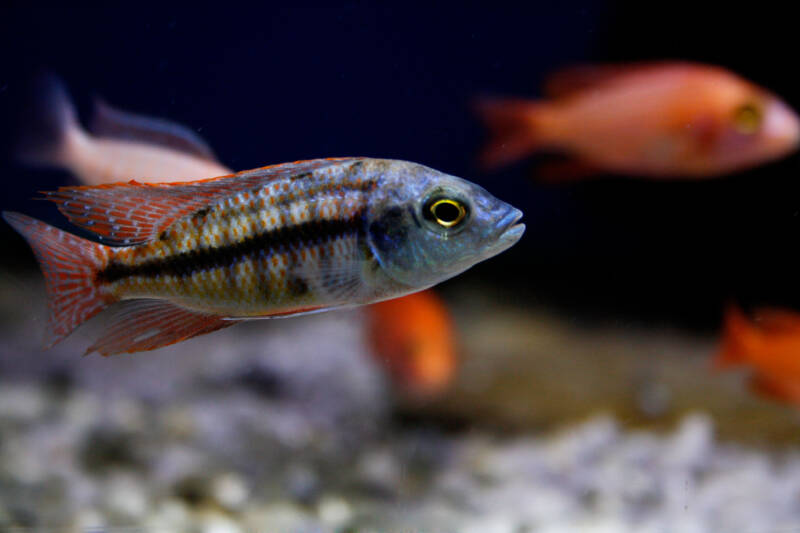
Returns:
(274, 84)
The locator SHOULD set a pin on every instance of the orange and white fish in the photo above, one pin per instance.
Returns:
(669, 119)
(414, 338)
(769, 345)
(190, 258)
(118, 146)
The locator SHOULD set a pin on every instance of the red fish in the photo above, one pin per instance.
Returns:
(414, 338)
(769, 345)
(667, 119)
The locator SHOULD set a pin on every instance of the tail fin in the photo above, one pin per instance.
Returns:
(69, 265)
(46, 131)
(513, 126)
(737, 339)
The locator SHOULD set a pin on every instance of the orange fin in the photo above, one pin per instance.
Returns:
(512, 125)
(781, 390)
(736, 334)
(147, 324)
(69, 264)
(133, 213)
(578, 78)
(114, 123)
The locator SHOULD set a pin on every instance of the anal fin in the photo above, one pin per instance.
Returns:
(147, 324)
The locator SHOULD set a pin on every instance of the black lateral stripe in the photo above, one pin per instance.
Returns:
(277, 240)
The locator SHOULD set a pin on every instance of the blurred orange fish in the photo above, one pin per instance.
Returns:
(769, 345)
(414, 338)
(658, 120)
(119, 146)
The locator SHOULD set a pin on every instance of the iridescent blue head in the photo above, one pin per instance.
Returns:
(425, 226)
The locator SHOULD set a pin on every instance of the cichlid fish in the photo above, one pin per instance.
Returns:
(658, 120)
(118, 146)
(769, 346)
(190, 258)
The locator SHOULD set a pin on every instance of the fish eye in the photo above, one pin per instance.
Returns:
(446, 212)
(747, 118)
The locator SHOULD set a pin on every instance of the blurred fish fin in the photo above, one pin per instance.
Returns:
(110, 122)
(571, 80)
(69, 265)
(514, 130)
(44, 138)
(785, 391)
(566, 171)
(736, 334)
(147, 324)
(133, 213)
(773, 320)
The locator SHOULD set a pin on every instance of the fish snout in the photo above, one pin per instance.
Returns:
(782, 126)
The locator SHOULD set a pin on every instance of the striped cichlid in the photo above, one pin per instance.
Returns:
(189, 258)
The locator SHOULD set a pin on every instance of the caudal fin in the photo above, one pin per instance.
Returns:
(514, 130)
(46, 130)
(69, 265)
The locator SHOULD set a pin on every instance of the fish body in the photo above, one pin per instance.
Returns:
(657, 120)
(769, 346)
(286, 239)
(414, 337)
(119, 146)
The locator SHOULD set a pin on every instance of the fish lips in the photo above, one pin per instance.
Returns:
(509, 231)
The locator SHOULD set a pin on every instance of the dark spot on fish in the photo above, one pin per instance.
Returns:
(389, 232)
(200, 213)
(297, 286)
(163, 236)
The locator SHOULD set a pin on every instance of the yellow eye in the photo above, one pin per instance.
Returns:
(446, 212)
(747, 118)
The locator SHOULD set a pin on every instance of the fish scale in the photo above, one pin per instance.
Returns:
(249, 282)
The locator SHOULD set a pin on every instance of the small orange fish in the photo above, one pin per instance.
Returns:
(769, 345)
(658, 120)
(119, 146)
(414, 338)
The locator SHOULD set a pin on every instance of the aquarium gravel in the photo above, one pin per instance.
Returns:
(274, 438)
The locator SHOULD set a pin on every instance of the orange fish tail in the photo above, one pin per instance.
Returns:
(514, 127)
(69, 265)
(737, 336)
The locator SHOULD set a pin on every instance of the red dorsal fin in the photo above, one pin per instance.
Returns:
(579, 78)
(141, 325)
(133, 213)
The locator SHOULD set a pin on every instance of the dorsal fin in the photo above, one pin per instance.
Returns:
(133, 213)
(108, 121)
(571, 80)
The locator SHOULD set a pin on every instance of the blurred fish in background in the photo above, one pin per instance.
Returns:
(768, 345)
(412, 336)
(415, 338)
(119, 146)
(660, 120)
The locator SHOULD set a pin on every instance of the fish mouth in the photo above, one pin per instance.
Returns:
(510, 230)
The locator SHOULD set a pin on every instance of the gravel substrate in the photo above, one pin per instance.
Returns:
(286, 426)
